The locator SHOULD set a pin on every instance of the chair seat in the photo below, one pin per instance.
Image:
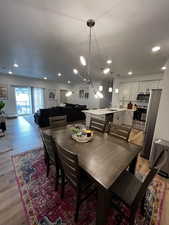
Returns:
(126, 187)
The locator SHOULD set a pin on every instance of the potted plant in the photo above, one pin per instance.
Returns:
(2, 119)
(2, 105)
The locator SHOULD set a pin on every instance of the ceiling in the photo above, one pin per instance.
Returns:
(46, 37)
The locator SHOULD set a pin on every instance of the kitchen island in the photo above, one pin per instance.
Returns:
(116, 115)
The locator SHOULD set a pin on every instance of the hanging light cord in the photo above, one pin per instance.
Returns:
(89, 64)
(90, 46)
(99, 49)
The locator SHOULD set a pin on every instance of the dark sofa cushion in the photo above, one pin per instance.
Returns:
(69, 105)
(72, 111)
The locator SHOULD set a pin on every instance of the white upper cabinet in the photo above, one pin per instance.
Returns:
(133, 90)
(124, 91)
(128, 91)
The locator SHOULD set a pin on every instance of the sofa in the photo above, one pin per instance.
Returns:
(72, 111)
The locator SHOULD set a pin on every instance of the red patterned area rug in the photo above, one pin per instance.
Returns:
(43, 205)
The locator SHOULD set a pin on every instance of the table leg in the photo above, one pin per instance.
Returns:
(132, 166)
(103, 206)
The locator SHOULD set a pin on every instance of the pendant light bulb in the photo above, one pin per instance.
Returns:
(100, 88)
(116, 90)
(110, 89)
(68, 94)
(83, 60)
(106, 70)
(99, 94)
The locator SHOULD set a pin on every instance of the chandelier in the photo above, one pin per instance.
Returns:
(97, 91)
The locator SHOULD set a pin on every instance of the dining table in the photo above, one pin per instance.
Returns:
(104, 158)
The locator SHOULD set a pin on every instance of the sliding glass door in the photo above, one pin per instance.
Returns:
(38, 99)
(23, 100)
(29, 100)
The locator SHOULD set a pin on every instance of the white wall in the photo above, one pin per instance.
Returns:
(162, 124)
(92, 102)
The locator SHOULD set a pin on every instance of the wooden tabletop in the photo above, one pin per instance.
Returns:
(104, 158)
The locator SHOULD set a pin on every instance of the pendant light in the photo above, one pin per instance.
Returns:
(68, 93)
(97, 94)
(110, 89)
(100, 88)
(116, 90)
(83, 61)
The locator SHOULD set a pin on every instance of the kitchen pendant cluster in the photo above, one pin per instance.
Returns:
(99, 94)
(97, 91)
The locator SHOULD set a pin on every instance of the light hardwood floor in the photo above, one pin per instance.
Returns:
(22, 136)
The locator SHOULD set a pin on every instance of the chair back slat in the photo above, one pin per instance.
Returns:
(50, 146)
(44, 146)
(98, 124)
(162, 158)
(69, 161)
(57, 121)
(120, 131)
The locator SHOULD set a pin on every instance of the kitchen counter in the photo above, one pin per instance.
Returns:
(117, 115)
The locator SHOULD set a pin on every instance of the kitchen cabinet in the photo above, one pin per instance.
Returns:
(124, 91)
(128, 91)
(133, 90)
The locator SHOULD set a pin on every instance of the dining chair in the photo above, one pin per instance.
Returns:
(51, 155)
(57, 121)
(131, 191)
(120, 131)
(77, 178)
(44, 148)
(97, 124)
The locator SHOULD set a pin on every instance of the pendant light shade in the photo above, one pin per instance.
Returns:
(75, 71)
(99, 95)
(100, 88)
(83, 60)
(106, 70)
(116, 90)
(110, 89)
(68, 94)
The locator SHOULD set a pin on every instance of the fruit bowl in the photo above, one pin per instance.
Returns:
(82, 138)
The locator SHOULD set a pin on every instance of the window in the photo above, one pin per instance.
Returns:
(23, 100)
(38, 98)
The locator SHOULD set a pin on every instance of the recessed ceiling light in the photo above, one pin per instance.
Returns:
(83, 60)
(130, 73)
(68, 82)
(45, 78)
(15, 65)
(106, 70)
(109, 61)
(164, 68)
(84, 79)
(10, 72)
(75, 71)
(156, 49)
(59, 74)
